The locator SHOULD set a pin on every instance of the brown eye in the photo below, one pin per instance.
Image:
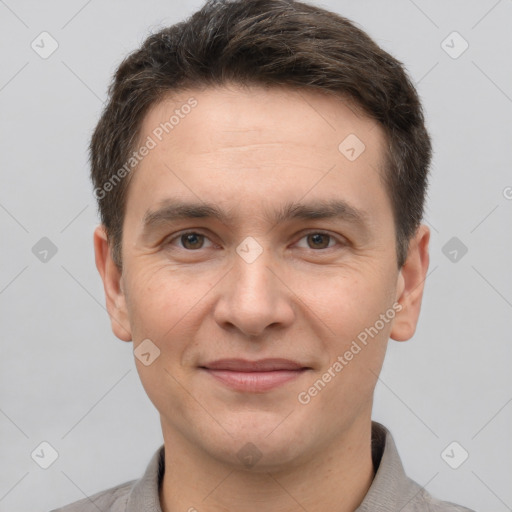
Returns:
(192, 241)
(318, 240)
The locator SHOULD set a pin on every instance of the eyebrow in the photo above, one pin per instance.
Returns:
(173, 210)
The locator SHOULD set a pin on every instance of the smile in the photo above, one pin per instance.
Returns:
(254, 381)
(255, 377)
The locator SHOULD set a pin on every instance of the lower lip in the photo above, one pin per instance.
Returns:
(254, 381)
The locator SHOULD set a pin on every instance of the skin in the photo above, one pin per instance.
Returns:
(250, 151)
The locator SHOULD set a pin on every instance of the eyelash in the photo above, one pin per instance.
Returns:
(313, 232)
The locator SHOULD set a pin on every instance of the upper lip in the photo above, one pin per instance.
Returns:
(262, 365)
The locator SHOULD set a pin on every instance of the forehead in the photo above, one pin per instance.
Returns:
(257, 141)
(237, 117)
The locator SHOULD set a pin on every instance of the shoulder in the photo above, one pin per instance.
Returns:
(424, 501)
(137, 495)
(391, 484)
(110, 500)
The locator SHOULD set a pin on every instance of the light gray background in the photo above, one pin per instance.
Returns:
(67, 380)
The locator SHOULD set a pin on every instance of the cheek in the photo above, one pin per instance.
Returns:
(161, 299)
(160, 305)
(346, 300)
(351, 305)
(357, 340)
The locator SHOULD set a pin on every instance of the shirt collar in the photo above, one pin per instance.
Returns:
(145, 494)
(390, 491)
(391, 488)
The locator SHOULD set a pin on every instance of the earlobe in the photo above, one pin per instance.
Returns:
(411, 282)
(112, 284)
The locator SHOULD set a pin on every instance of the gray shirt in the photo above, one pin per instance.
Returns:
(391, 489)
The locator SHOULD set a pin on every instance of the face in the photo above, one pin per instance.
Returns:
(258, 231)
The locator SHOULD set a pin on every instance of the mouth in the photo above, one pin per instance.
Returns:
(254, 376)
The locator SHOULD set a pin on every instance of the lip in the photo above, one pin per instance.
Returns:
(261, 365)
(254, 376)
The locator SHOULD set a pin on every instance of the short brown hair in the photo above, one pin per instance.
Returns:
(270, 43)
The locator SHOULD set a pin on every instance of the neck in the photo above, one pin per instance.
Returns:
(336, 478)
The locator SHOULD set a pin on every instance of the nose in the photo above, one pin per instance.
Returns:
(254, 298)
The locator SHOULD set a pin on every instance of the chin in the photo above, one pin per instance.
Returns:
(261, 456)
(261, 446)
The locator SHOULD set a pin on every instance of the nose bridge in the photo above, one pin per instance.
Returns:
(251, 270)
(253, 277)
(253, 298)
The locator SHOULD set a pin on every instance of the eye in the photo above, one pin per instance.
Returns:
(193, 241)
(190, 241)
(318, 240)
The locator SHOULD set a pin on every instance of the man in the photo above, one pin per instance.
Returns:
(261, 171)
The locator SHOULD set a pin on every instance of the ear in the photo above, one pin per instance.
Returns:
(410, 286)
(112, 283)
